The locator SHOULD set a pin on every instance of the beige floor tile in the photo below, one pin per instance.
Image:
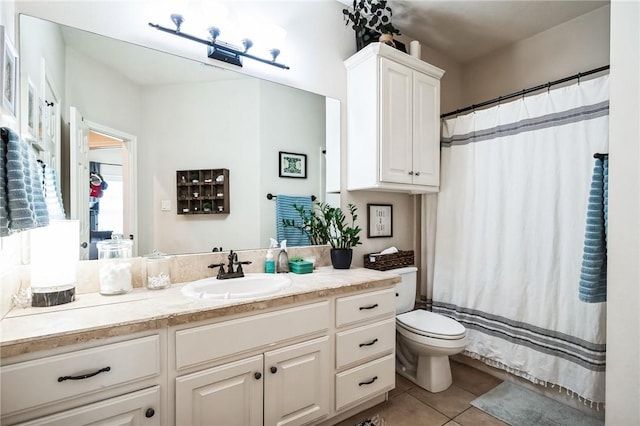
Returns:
(405, 410)
(402, 385)
(452, 423)
(450, 402)
(475, 417)
(475, 381)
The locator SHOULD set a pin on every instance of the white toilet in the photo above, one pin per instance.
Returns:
(424, 340)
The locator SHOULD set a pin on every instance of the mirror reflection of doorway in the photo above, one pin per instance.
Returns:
(106, 199)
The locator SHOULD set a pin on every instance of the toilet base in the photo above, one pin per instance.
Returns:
(433, 373)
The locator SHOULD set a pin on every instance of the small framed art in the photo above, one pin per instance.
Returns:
(32, 105)
(292, 165)
(9, 73)
(379, 220)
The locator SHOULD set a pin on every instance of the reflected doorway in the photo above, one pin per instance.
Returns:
(110, 187)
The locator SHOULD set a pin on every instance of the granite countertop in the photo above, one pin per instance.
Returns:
(93, 316)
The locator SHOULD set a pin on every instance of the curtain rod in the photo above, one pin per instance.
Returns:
(525, 91)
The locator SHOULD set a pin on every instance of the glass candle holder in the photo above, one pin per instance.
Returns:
(115, 272)
(158, 270)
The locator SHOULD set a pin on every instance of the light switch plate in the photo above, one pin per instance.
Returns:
(166, 205)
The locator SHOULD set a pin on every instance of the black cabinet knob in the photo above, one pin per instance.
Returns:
(274, 370)
(149, 413)
(257, 375)
(84, 244)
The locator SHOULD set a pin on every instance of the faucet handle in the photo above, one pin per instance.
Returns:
(220, 270)
(239, 268)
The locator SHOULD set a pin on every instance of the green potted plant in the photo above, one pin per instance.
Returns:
(370, 19)
(329, 225)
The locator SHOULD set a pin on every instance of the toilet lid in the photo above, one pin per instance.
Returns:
(428, 324)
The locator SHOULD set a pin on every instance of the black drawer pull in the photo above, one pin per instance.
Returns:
(274, 370)
(369, 382)
(84, 376)
(368, 344)
(258, 375)
(149, 413)
(375, 305)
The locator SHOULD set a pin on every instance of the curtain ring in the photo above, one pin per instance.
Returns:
(523, 93)
(548, 87)
(579, 75)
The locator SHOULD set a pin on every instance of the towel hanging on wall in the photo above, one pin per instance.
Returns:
(593, 276)
(22, 201)
(285, 210)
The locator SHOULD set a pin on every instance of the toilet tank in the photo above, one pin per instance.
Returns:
(405, 289)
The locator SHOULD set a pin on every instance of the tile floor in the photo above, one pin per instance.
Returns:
(410, 405)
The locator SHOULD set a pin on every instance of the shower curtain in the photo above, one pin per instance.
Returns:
(510, 227)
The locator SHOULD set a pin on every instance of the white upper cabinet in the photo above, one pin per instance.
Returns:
(393, 108)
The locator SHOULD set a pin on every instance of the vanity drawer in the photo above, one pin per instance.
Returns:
(211, 342)
(365, 342)
(42, 381)
(352, 309)
(365, 381)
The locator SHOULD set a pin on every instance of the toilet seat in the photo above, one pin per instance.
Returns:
(429, 324)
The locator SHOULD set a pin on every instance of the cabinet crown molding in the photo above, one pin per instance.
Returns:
(385, 51)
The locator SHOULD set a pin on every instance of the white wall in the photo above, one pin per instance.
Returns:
(623, 288)
(193, 137)
(290, 121)
(567, 49)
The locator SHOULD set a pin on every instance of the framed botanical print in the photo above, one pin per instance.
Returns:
(292, 165)
(9, 72)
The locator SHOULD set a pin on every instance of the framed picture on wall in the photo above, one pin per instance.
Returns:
(9, 72)
(379, 220)
(32, 105)
(40, 129)
(292, 165)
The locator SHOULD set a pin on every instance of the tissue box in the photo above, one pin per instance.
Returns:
(384, 262)
(301, 267)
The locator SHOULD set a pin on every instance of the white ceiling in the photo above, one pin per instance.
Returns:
(466, 30)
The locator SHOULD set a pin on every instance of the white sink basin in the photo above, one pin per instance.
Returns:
(251, 285)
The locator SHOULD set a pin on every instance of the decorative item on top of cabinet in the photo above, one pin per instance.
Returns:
(204, 191)
(393, 108)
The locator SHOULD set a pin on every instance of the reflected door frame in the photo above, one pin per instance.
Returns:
(129, 177)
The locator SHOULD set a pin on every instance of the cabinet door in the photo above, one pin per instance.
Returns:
(426, 130)
(139, 408)
(230, 394)
(396, 132)
(296, 386)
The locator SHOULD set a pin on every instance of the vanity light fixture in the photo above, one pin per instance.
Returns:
(220, 50)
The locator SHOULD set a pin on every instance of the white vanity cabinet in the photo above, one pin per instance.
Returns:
(279, 373)
(108, 382)
(393, 123)
(365, 347)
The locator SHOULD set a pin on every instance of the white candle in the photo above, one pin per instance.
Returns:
(414, 49)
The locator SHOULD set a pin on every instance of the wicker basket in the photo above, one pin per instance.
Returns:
(384, 262)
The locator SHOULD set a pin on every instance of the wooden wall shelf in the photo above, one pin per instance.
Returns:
(204, 191)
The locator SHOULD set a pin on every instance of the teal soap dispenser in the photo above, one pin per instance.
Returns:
(283, 258)
(269, 263)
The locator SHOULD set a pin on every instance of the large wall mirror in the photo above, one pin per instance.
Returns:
(145, 115)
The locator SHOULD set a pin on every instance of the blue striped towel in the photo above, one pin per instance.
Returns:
(593, 276)
(285, 210)
(4, 200)
(25, 203)
(52, 194)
